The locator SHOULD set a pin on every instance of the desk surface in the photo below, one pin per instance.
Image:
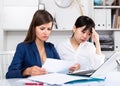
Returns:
(112, 79)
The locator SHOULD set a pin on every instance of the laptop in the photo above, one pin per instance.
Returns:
(109, 65)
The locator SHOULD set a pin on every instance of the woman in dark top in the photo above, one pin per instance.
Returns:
(33, 51)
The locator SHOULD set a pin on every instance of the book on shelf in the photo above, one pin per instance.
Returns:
(118, 22)
(115, 18)
(118, 18)
(116, 15)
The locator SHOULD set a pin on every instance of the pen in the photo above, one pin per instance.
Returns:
(32, 83)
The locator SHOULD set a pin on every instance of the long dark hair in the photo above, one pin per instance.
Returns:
(40, 17)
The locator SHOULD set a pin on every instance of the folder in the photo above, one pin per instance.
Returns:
(103, 18)
(108, 18)
(100, 18)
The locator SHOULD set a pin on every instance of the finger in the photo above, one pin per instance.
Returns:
(93, 30)
(38, 72)
(72, 69)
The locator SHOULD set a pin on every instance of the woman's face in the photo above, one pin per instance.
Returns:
(80, 35)
(43, 31)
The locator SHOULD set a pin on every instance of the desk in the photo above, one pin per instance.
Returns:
(112, 79)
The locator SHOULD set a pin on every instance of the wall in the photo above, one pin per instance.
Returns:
(16, 16)
(12, 38)
(1, 31)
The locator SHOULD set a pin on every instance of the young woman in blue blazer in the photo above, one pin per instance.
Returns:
(33, 51)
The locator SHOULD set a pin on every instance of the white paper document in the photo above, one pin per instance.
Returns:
(55, 65)
(56, 78)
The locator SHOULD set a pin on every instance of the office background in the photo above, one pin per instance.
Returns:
(15, 17)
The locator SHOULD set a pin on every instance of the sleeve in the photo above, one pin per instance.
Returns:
(15, 69)
(96, 60)
(59, 50)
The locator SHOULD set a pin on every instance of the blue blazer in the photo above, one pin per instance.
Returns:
(27, 55)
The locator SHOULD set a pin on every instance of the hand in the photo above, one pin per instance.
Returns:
(34, 70)
(74, 67)
(95, 36)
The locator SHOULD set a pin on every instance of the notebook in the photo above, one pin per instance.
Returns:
(109, 65)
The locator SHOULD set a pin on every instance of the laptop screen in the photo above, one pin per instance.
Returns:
(108, 66)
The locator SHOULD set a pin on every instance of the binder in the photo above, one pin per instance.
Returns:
(103, 18)
(100, 18)
(108, 18)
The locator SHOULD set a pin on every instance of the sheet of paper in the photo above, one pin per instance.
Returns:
(56, 78)
(55, 65)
